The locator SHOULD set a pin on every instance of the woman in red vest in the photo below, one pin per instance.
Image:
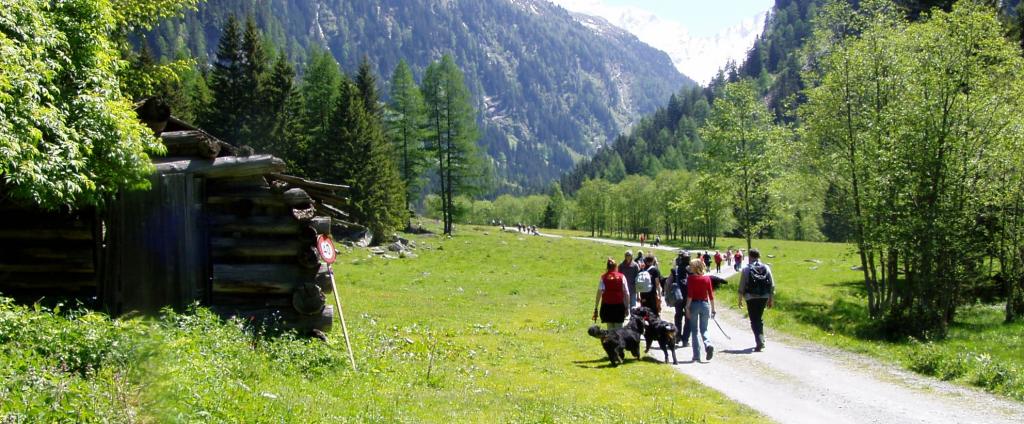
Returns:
(613, 296)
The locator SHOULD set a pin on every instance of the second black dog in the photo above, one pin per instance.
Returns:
(658, 329)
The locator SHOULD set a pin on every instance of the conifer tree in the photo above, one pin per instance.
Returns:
(365, 162)
(406, 121)
(366, 82)
(224, 117)
(276, 92)
(254, 114)
(319, 88)
(453, 133)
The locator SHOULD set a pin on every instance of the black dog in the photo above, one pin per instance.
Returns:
(657, 329)
(617, 342)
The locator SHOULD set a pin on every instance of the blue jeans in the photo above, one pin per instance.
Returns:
(700, 314)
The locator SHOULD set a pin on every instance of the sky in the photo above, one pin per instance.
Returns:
(699, 36)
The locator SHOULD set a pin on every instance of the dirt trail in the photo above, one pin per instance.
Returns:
(796, 381)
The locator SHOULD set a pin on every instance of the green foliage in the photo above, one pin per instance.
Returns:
(740, 138)
(363, 159)
(405, 121)
(914, 121)
(452, 132)
(67, 134)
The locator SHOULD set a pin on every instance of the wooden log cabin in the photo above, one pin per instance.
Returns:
(220, 227)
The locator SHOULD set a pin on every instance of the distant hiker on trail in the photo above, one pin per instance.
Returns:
(630, 269)
(648, 285)
(657, 241)
(728, 257)
(707, 260)
(757, 287)
(737, 260)
(612, 295)
(718, 262)
(641, 240)
(700, 308)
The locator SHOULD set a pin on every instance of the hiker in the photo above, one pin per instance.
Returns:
(728, 257)
(700, 308)
(630, 269)
(737, 260)
(657, 241)
(682, 273)
(641, 240)
(757, 287)
(649, 290)
(707, 260)
(640, 258)
(718, 262)
(612, 295)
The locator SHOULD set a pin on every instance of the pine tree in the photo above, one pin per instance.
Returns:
(453, 133)
(366, 82)
(223, 119)
(319, 88)
(406, 121)
(276, 92)
(366, 164)
(254, 114)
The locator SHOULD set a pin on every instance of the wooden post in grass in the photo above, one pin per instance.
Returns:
(325, 247)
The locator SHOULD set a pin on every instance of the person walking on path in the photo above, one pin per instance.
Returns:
(728, 257)
(682, 273)
(757, 287)
(612, 295)
(700, 308)
(641, 240)
(737, 260)
(650, 296)
(718, 262)
(707, 260)
(630, 269)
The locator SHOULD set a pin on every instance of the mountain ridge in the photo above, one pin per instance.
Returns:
(550, 90)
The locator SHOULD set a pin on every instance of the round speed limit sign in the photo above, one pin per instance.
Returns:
(325, 248)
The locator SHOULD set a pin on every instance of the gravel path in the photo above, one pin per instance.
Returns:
(796, 381)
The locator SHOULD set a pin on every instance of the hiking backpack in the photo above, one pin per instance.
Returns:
(758, 283)
(643, 282)
(674, 294)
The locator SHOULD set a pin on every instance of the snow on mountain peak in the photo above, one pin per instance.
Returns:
(699, 58)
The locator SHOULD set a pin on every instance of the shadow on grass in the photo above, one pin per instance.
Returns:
(605, 363)
(842, 316)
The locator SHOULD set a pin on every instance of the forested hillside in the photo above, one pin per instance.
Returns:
(549, 86)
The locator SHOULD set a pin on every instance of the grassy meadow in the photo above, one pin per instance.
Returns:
(482, 327)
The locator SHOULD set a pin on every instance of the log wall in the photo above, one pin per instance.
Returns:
(48, 256)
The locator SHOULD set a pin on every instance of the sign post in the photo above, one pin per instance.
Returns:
(325, 248)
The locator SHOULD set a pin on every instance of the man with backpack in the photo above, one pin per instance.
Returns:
(757, 287)
(630, 269)
(675, 295)
(648, 285)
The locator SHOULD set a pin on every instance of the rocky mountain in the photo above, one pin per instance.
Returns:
(550, 85)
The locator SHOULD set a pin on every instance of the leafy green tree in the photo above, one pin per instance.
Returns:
(739, 134)
(913, 120)
(68, 133)
(594, 199)
(555, 208)
(452, 131)
(405, 122)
